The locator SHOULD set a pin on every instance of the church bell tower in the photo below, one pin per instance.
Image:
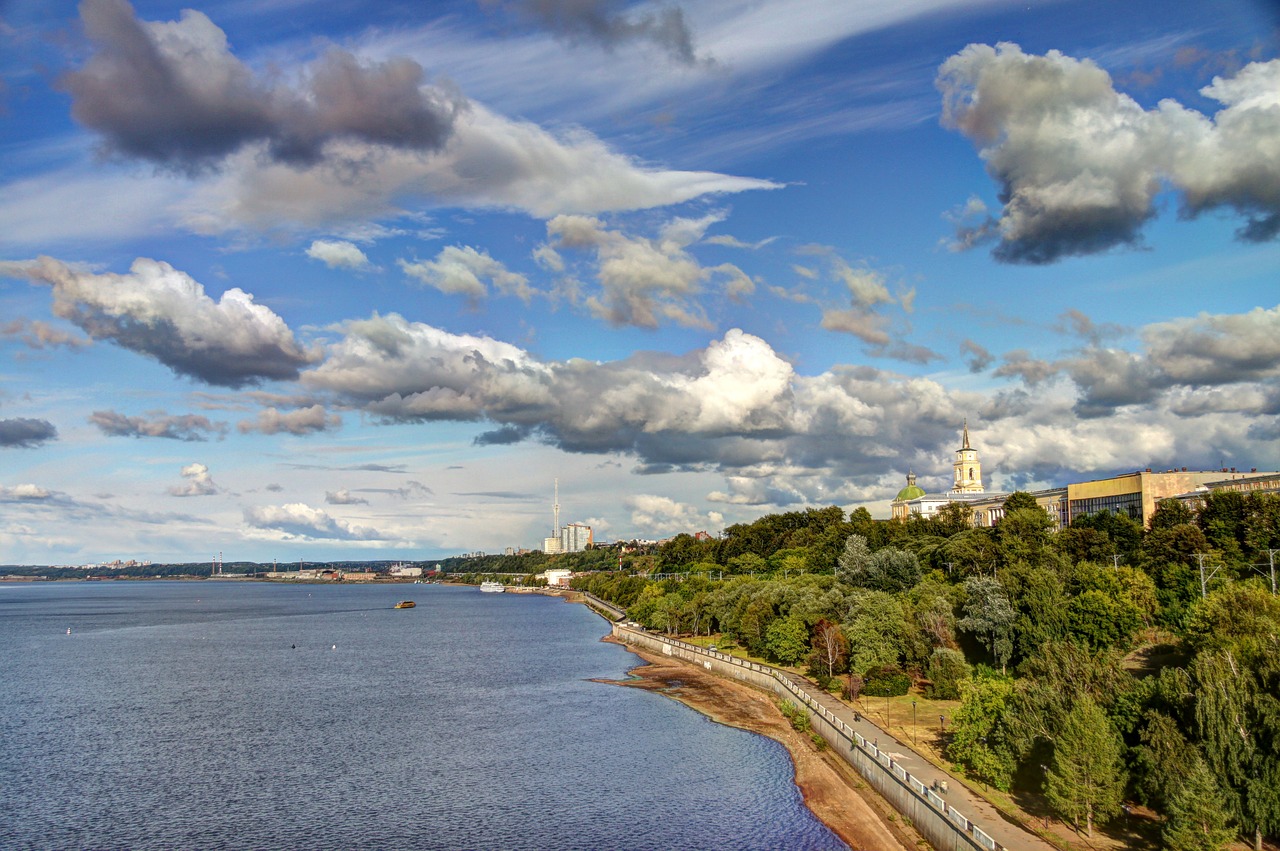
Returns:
(968, 469)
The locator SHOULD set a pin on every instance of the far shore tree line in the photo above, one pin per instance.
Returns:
(1096, 664)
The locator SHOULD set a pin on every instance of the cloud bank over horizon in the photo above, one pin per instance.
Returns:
(392, 271)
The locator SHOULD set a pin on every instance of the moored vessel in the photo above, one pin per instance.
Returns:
(491, 587)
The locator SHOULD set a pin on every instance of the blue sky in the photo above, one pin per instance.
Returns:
(361, 280)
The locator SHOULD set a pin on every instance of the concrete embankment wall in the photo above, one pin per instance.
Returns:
(945, 828)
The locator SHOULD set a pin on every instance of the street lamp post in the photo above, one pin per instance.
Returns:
(1044, 771)
(913, 720)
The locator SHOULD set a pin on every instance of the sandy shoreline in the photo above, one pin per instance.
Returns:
(832, 789)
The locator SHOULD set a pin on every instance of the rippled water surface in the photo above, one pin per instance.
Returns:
(245, 715)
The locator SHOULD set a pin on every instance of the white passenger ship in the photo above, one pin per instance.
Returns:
(491, 587)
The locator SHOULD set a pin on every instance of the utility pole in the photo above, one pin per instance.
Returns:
(1115, 562)
(1204, 580)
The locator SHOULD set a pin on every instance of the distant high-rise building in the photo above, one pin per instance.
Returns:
(575, 537)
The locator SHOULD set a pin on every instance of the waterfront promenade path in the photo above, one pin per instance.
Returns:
(1009, 834)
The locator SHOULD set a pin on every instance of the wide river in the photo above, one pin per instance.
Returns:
(239, 715)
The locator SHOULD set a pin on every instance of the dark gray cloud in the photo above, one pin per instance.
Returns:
(504, 436)
(157, 311)
(188, 427)
(172, 93)
(309, 420)
(976, 356)
(1078, 324)
(1079, 164)
(26, 433)
(1019, 364)
(607, 23)
(411, 490)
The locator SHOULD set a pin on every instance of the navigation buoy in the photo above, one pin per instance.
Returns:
(335, 647)
(68, 630)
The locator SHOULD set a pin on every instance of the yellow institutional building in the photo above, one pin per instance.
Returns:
(1133, 494)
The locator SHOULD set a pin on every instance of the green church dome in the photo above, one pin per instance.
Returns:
(911, 491)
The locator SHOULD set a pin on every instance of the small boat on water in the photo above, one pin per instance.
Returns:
(491, 587)
(405, 604)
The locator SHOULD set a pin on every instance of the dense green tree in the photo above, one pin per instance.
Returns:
(1170, 513)
(1023, 536)
(754, 624)
(1223, 519)
(1170, 556)
(1086, 777)
(952, 519)
(1124, 532)
(874, 623)
(1262, 526)
(852, 566)
(947, 670)
(1196, 818)
(979, 730)
(791, 561)
(934, 612)
(1081, 543)
(1228, 725)
(673, 613)
(890, 569)
(747, 563)
(1052, 681)
(928, 550)
(825, 545)
(1238, 614)
(971, 552)
(787, 640)
(1162, 760)
(1039, 597)
(989, 616)
(1019, 500)
(697, 611)
(1100, 620)
(683, 550)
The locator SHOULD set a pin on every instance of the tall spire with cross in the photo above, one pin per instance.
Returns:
(968, 469)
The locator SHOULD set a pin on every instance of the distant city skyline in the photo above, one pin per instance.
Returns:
(323, 282)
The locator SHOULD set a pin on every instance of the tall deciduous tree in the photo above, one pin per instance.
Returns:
(787, 640)
(1085, 781)
(988, 615)
(892, 569)
(1023, 535)
(851, 567)
(979, 739)
(830, 647)
(972, 551)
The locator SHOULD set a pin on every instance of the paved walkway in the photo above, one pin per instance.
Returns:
(976, 808)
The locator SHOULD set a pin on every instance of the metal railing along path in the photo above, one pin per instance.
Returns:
(1013, 837)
